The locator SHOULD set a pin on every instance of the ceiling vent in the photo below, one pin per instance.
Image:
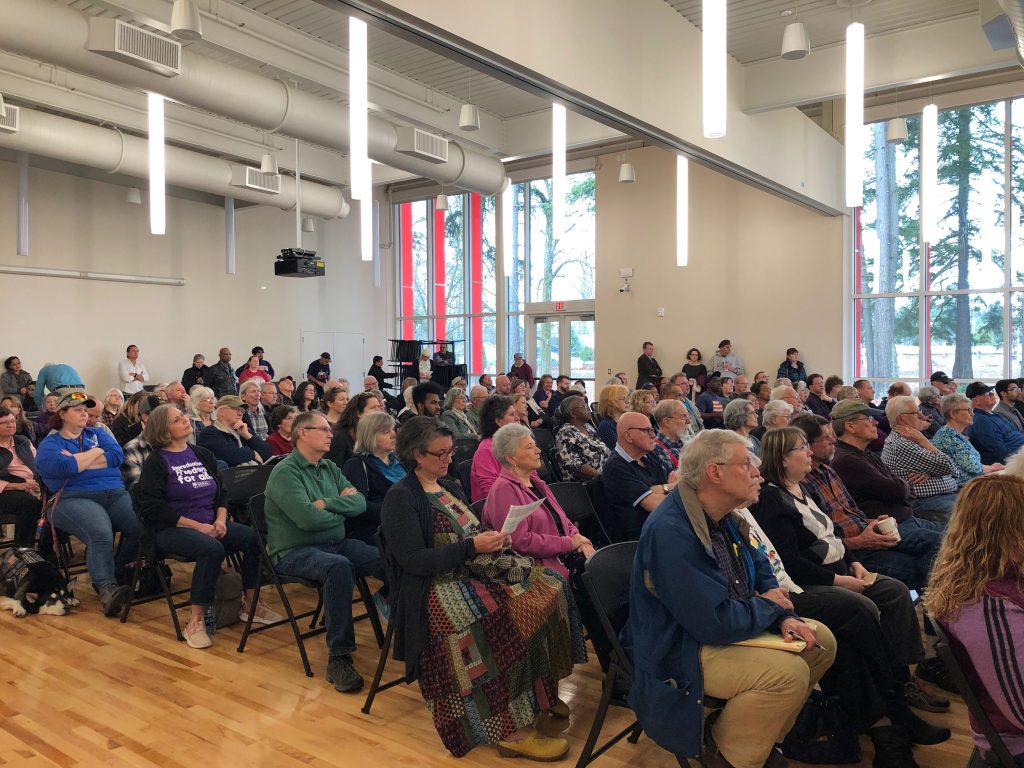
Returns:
(134, 45)
(426, 146)
(9, 119)
(247, 177)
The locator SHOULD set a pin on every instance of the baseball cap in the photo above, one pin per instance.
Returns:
(846, 409)
(517, 356)
(941, 376)
(75, 397)
(326, 356)
(976, 388)
(231, 401)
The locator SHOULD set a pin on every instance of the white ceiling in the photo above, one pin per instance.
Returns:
(755, 26)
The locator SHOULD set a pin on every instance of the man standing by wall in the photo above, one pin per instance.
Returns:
(647, 369)
(131, 373)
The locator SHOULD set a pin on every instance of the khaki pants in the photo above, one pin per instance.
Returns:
(764, 689)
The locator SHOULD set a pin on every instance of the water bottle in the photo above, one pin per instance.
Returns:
(210, 619)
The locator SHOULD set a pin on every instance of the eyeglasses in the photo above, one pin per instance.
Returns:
(864, 418)
(320, 429)
(441, 455)
(648, 430)
(800, 447)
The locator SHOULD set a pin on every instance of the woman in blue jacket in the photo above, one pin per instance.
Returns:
(82, 465)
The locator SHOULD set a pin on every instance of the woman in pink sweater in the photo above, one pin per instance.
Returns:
(547, 533)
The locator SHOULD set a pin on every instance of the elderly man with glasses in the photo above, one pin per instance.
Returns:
(911, 456)
(632, 479)
(684, 640)
(673, 431)
(993, 436)
(308, 500)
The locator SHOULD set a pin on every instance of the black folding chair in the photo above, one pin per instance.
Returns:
(610, 524)
(606, 580)
(544, 438)
(376, 686)
(955, 657)
(464, 469)
(241, 484)
(465, 449)
(575, 502)
(478, 507)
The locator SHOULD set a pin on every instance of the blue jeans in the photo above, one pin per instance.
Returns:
(911, 560)
(93, 516)
(937, 508)
(334, 567)
(209, 553)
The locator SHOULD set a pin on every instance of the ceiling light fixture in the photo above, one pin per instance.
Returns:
(307, 224)
(855, 115)
(185, 21)
(157, 170)
(469, 115)
(796, 43)
(269, 163)
(557, 174)
(627, 173)
(682, 210)
(358, 156)
(714, 80)
(930, 174)
(896, 130)
(441, 201)
(133, 196)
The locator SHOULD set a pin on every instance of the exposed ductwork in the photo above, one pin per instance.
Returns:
(59, 34)
(1014, 10)
(110, 150)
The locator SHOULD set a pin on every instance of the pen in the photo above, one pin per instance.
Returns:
(793, 633)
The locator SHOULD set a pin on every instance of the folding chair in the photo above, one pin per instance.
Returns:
(606, 580)
(544, 438)
(376, 686)
(575, 502)
(465, 467)
(259, 525)
(241, 484)
(465, 448)
(610, 524)
(955, 657)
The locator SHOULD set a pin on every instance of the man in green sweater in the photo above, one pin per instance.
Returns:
(307, 502)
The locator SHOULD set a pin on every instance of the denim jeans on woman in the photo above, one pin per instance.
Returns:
(92, 517)
(209, 552)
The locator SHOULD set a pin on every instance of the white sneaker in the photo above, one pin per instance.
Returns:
(195, 635)
(262, 615)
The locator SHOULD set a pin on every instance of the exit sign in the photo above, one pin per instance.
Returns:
(559, 306)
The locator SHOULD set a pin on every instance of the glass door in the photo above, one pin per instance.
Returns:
(564, 344)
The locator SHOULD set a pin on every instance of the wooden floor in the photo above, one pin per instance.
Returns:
(83, 690)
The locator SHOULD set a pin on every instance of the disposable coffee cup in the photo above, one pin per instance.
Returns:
(888, 527)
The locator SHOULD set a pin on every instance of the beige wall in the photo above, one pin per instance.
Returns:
(763, 272)
(86, 225)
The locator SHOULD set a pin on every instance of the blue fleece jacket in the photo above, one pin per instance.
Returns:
(55, 468)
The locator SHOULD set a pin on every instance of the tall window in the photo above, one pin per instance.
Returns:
(957, 305)
(448, 269)
(447, 276)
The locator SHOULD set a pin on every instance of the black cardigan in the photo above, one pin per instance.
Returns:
(151, 490)
(368, 481)
(407, 522)
(800, 550)
(23, 448)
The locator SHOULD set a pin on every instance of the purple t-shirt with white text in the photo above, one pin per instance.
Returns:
(191, 490)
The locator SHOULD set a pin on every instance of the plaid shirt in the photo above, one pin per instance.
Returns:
(836, 501)
(666, 452)
(136, 451)
(259, 421)
(903, 457)
(724, 548)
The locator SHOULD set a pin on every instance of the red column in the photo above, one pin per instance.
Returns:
(407, 276)
(476, 299)
(439, 275)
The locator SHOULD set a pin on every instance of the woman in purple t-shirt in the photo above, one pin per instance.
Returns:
(181, 496)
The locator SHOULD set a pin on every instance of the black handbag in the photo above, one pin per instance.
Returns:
(821, 733)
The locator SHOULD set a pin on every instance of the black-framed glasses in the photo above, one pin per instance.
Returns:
(328, 430)
(649, 430)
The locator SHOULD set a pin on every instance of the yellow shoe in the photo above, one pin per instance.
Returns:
(535, 747)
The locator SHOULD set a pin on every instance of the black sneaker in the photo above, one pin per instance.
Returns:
(343, 675)
(920, 731)
(921, 699)
(934, 671)
(113, 598)
(892, 748)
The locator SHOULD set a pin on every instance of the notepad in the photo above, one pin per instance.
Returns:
(775, 642)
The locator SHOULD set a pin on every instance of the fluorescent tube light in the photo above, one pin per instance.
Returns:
(103, 276)
(714, 80)
(157, 171)
(855, 115)
(358, 159)
(507, 218)
(682, 210)
(930, 174)
(558, 173)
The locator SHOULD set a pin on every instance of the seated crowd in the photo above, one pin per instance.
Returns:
(796, 506)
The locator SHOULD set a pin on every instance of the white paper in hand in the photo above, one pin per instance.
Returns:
(517, 513)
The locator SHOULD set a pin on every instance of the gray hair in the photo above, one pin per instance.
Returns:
(780, 391)
(477, 389)
(782, 381)
(846, 393)
(735, 414)
(506, 441)
(950, 402)
(927, 394)
(246, 385)
(666, 409)
(710, 446)
(449, 399)
(370, 425)
(195, 395)
(800, 386)
(1014, 464)
(897, 406)
(775, 408)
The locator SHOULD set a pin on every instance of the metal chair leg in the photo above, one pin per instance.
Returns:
(379, 673)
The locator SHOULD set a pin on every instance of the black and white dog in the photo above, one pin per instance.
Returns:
(30, 584)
